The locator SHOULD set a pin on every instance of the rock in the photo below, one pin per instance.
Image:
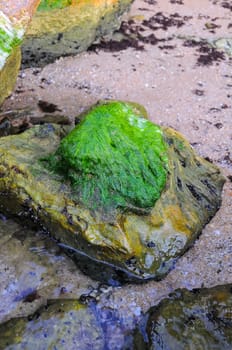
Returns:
(67, 324)
(9, 73)
(224, 44)
(63, 324)
(68, 27)
(147, 197)
(33, 268)
(18, 120)
(198, 319)
(14, 18)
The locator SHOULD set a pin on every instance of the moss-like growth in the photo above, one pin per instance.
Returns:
(46, 5)
(7, 42)
(114, 158)
(10, 38)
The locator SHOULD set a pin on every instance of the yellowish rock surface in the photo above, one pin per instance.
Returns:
(69, 30)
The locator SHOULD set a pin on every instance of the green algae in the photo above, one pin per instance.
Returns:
(7, 42)
(10, 38)
(46, 5)
(114, 158)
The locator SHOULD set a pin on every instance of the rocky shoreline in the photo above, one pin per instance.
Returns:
(165, 57)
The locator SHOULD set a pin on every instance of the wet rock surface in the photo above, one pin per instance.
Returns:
(198, 319)
(63, 324)
(31, 269)
(67, 324)
(65, 28)
(108, 218)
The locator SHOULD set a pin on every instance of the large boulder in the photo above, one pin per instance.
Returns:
(14, 18)
(67, 27)
(117, 189)
(198, 319)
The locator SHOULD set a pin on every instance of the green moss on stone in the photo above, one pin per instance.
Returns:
(46, 5)
(10, 38)
(114, 158)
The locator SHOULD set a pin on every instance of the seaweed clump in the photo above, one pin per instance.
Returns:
(113, 158)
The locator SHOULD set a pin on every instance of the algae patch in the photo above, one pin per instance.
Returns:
(46, 5)
(113, 158)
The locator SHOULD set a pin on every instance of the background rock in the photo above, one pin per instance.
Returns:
(200, 319)
(62, 30)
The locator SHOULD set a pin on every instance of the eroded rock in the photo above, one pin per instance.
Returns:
(147, 197)
(69, 27)
(198, 319)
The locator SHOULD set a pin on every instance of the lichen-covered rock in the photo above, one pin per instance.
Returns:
(63, 324)
(118, 189)
(14, 18)
(198, 319)
(67, 27)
